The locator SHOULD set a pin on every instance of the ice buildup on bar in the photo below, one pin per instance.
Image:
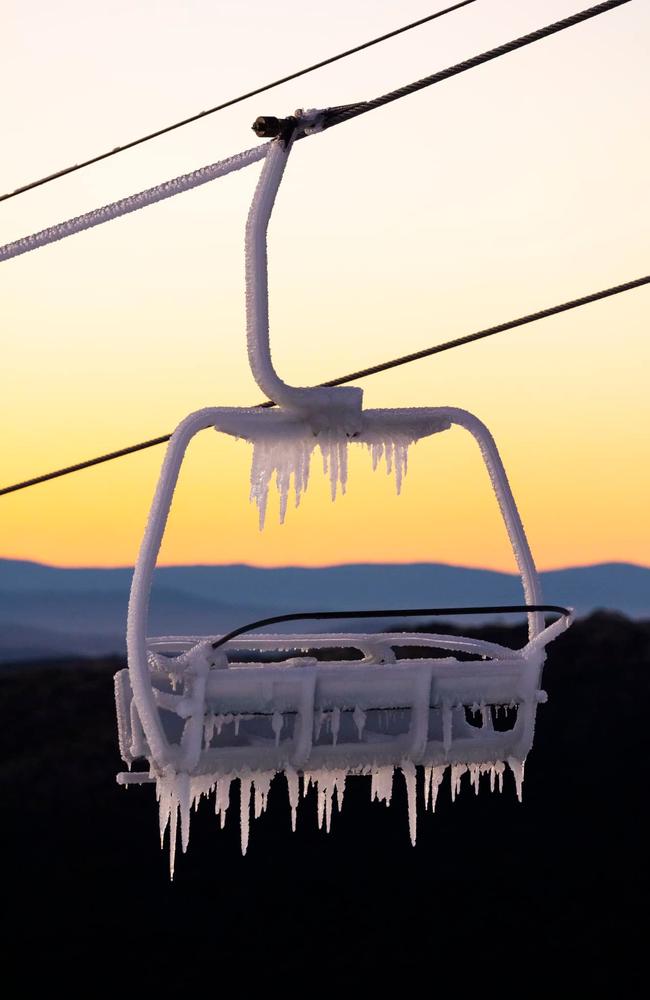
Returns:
(284, 443)
(179, 794)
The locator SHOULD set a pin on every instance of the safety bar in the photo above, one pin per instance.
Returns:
(565, 613)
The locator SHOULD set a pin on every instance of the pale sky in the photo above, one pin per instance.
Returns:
(512, 187)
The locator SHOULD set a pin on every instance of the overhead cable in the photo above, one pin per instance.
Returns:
(353, 376)
(235, 100)
(338, 115)
(331, 117)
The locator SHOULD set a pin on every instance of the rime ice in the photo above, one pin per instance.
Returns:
(321, 707)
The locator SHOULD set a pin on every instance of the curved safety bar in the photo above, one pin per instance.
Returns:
(393, 613)
(344, 400)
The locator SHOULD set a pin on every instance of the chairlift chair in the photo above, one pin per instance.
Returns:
(200, 712)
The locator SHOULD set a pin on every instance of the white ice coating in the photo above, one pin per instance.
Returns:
(286, 460)
(180, 794)
(339, 405)
(284, 444)
(315, 721)
(132, 203)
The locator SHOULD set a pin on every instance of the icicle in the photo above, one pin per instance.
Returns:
(319, 780)
(381, 787)
(432, 778)
(244, 811)
(333, 460)
(517, 768)
(262, 783)
(343, 465)
(319, 716)
(389, 449)
(200, 785)
(329, 795)
(183, 795)
(285, 456)
(474, 776)
(293, 782)
(427, 785)
(164, 806)
(338, 784)
(499, 768)
(222, 798)
(408, 770)
(457, 771)
(172, 834)
(359, 717)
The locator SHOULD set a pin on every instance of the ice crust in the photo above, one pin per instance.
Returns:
(134, 202)
(276, 712)
(288, 462)
(178, 794)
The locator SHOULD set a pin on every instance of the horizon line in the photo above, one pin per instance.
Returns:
(338, 565)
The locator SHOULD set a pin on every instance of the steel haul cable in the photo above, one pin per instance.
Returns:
(340, 115)
(331, 117)
(336, 116)
(235, 100)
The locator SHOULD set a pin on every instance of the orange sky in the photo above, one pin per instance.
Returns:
(508, 189)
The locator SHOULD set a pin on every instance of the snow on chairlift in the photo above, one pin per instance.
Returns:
(205, 711)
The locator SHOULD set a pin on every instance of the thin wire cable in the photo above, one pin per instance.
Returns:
(338, 115)
(331, 117)
(302, 616)
(490, 331)
(235, 100)
(353, 376)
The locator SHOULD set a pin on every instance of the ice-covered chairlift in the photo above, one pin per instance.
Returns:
(202, 711)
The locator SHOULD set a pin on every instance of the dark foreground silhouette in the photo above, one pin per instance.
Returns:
(492, 887)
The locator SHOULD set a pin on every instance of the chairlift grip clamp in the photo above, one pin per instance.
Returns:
(270, 127)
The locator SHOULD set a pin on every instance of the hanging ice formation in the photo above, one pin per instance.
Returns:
(202, 712)
(282, 450)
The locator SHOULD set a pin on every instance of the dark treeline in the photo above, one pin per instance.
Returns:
(492, 887)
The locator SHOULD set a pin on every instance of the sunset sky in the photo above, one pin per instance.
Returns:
(510, 188)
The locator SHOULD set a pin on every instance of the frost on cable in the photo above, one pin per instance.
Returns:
(197, 713)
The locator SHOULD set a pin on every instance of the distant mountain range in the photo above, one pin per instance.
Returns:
(49, 611)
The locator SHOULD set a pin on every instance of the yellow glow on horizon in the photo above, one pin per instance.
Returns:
(508, 189)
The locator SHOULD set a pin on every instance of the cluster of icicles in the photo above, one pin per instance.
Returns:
(178, 794)
(287, 457)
